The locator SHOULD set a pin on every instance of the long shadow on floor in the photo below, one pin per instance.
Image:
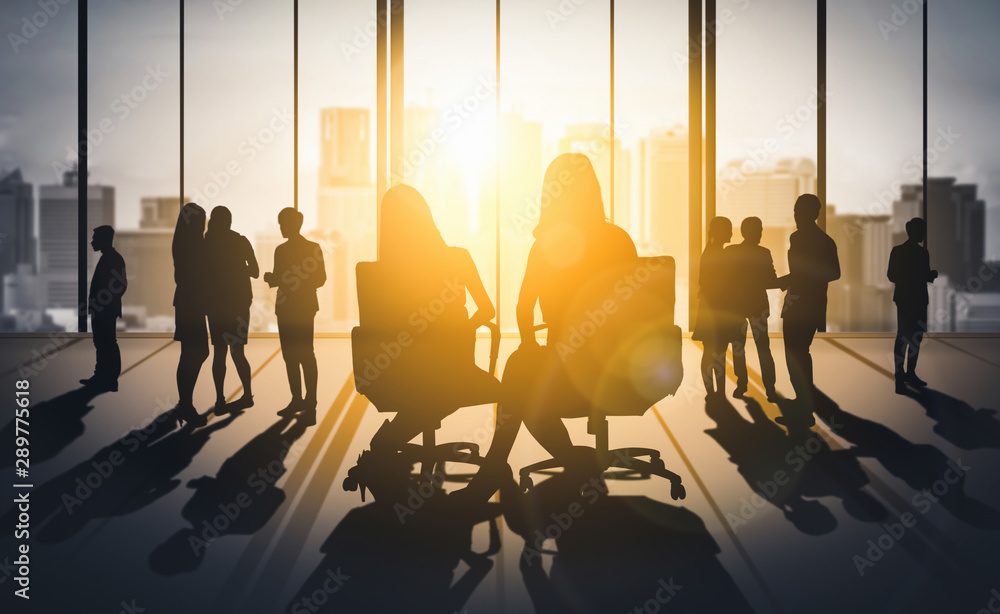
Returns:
(957, 422)
(617, 553)
(401, 557)
(784, 468)
(239, 500)
(55, 424)
(926, 469)
(123, 477)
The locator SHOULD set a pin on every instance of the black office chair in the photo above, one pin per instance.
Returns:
(625, 360)
(399, 356)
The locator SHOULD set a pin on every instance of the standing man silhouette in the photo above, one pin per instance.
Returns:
(812, 265)
(105, 307)
(752, 275)
(910, 270)
(231, 264)
(298, 272)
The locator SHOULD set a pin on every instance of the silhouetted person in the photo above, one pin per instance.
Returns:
(427, 280)
(812, 265)
(751, 276)
(298, 272)
(190, 303)
(910, 270)
(231, 265)
(714, 325)
(105, 307)
(574, 245)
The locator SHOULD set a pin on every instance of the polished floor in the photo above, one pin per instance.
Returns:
(890, 504)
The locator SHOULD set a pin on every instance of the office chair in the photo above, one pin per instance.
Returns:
(622, 352)
(398, 357)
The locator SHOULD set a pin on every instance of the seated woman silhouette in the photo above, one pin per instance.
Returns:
(425, 282)
(574, 245)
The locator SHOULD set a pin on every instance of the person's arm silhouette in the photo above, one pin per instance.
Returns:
(484, 306)
(253, 269)
(526, 300)
(318, 277)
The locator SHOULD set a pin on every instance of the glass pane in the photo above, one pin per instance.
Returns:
(134, 110)
(449, 123)
(555, 94)
(873, 152)
(238, 122)
(38, 122)
(337, 108)
(964, 165)
(651, 116)
(767, 103)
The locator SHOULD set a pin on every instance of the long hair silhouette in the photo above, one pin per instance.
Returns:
(571, 195)
(407, 228)
(188, 233)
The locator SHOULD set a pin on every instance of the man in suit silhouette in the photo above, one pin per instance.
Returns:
(753, 273)
(910, 270)
(104, 305)
(298, 272)
(812, 265)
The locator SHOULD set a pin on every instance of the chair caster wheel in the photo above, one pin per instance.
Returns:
(677, 491)
(350, 484)
(526, 483)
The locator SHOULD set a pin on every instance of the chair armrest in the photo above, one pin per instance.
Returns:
(494, 329)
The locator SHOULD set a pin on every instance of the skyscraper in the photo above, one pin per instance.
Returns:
(663, 186)
(345, 147)
(595, 141)
(57, 234)
(17, 225)
(862, 299)
(160, 211)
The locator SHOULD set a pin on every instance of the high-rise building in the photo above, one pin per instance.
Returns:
(150, 268)
(663, 190)
(956, 234)
(595, 141)
(160, 211)
(746, 189)
(57, 235)
(861, 300)
(345, 147)
(17, 226)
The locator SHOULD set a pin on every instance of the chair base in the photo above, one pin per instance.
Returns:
(432, 458)
(621, 463)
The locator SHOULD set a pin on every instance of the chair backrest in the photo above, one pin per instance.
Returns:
(618, 341)
(409, 331)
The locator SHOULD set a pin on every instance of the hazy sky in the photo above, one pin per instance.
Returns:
(554, 68)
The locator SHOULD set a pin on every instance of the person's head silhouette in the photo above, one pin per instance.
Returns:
(720, 230)
(290, 222)
(807, 208)
(752, 229)
(571, 196)
(916, 229)
(221, 220)
(190, 225)
(406, 228)
(104, 236)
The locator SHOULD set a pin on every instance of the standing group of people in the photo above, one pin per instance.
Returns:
(212, 270)
(733, 283)
(214, 265)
